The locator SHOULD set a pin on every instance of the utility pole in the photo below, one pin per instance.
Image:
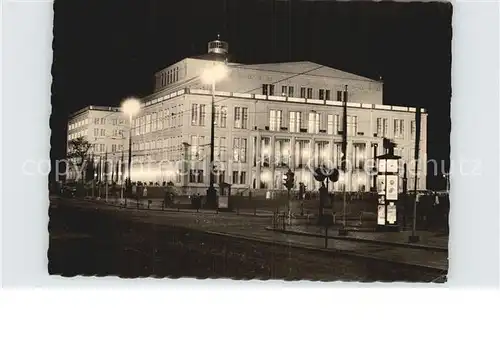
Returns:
(414, 237)
(344, 150)
(106, 173)
(121, 176)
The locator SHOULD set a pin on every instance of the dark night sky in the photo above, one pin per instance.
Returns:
(105, 50)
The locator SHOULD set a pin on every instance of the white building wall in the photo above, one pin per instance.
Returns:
(364, 134)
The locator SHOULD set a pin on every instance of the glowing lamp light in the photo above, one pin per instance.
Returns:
(266, 177)
(214, 74)
(131, 107)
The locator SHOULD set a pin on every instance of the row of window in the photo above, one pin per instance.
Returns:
(199, 115)
(102, 148)
(114, 121)
(198, 176)
(78, 124)
(239, 148)
(164, 119)
(307, 93)
(168, 144)
(77, 135)
(313, 122)
(169, 77)
(398, 128)
(304, 152)
(117, 133)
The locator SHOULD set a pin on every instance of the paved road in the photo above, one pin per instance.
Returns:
(255, 228)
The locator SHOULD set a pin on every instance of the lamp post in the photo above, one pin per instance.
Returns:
(211, 76)
(130, 107)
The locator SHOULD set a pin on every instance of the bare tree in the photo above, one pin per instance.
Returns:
(78, 153)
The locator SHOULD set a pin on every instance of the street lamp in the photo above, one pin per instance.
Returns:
(212, 75)
(130, 107)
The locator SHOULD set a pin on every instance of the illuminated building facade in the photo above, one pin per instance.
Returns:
(269, 118)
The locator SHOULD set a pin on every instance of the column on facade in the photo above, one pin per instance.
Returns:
(272, 161)
(349, 158)
(292, 153)
(258, 159)
(310, 163)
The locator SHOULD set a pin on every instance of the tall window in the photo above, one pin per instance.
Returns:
(272, 120)
(223, 148)
(302, 92)
(352, 125)
(193, 148)
(154, 125)
(282, 152)
(267, 89)
(309, 93)
(279, 119)
(223, 116)
(321, 94)
(313, 126)
(385, 127)
(327, 95)
(243, 177)
(322, 123)
(302, 152)
(359, 156)
(240, 150)
(284, 90)
(160, 120)
(293, 121)
(412, 129)
(329, 128)
(194, 114)
(290, 91)
(339, 95)
(399, 128)
(244, 120)
(180, 114)
(235, 177)
(217, 116)
(302, 121)
(237, 117)
(379, 127)
(202, 115)
(265, 150)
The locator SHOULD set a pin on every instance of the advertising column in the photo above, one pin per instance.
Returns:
(387, 189)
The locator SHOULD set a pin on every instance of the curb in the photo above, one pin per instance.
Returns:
(183, 210)
(368, 241)
(323, 250)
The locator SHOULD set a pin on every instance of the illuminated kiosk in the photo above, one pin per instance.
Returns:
(224, 199)
(387, 189)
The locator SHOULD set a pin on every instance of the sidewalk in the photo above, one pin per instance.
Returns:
(428, 240)
(156, 205)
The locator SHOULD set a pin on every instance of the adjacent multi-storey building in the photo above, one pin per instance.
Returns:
(105, 128)
(268, 118)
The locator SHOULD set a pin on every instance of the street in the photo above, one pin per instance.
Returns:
(98, 239)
